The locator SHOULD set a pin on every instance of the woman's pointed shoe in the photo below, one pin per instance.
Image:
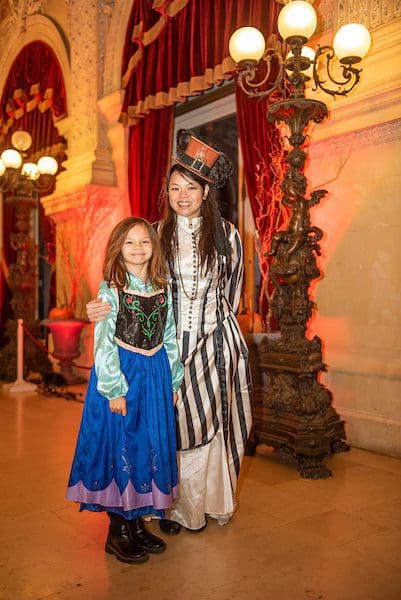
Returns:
(169, 527)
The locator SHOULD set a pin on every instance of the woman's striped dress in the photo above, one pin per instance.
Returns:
(213, 410)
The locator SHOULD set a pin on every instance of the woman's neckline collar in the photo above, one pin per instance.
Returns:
(192, 224)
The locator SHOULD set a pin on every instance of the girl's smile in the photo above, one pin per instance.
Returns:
(137, 250)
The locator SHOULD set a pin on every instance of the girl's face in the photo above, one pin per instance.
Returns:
(185, 195)
(137, 248)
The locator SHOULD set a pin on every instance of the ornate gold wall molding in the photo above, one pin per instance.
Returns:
(114, 46)
(382, 133)
(372, 13)
(39, 27)
(89, 154)
(18, 11)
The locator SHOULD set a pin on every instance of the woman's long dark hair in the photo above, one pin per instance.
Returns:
(212, 236)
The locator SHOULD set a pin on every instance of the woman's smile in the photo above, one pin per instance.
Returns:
(185, 195)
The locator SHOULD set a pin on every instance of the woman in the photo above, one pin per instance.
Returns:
(213, 410)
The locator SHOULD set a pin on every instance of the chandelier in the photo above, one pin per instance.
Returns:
(332, 68)
(25, 178)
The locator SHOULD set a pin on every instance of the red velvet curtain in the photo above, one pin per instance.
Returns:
(32, 99)
(183, 59)
(175, 49)
(34, 86)
(264, 161)
(150, 144)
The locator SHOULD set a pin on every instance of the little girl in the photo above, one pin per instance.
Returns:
(125, 457)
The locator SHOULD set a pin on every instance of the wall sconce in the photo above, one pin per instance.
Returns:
(292, 410)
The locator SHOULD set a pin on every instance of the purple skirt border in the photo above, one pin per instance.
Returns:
(129, 499)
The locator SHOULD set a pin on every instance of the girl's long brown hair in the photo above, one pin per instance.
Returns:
(212, 236)
(114, 270)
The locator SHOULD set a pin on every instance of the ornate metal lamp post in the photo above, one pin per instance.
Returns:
(23, 182)
(292, 410)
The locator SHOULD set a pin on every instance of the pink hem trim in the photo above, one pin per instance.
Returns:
(128, 500)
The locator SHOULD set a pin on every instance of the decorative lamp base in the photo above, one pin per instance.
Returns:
(291, 410)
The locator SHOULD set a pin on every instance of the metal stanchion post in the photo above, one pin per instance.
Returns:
(20, 385)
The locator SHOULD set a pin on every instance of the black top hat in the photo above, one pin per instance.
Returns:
(199, 158)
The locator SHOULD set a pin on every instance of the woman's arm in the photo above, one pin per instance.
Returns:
(97, 309)
(235, 270)
(171, 346)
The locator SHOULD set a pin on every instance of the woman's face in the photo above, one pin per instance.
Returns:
(185, 195)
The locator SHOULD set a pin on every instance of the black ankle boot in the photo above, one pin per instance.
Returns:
(140, 536)
(119, 543)
(169, 527)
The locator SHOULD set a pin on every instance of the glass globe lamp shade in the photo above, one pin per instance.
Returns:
(47, 165)
(351, 43)
(297, 19)
(30, 170)
(2, 168)
(11, 159)
(246, 44)
(307, 65)
(21, 140)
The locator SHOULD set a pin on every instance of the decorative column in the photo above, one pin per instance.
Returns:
(88, 200)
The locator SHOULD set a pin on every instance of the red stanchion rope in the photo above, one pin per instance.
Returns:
(44, 349)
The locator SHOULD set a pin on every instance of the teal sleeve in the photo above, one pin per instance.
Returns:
(171, 346)
(111, 381)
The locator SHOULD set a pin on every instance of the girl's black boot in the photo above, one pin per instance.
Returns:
(140, 536)
(119, 542)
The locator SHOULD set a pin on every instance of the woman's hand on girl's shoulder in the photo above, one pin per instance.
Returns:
(119, 406)
(97, 309)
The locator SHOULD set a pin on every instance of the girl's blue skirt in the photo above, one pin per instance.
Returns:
(128, 465)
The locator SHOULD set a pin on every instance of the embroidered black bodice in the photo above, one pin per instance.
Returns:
(141, 319)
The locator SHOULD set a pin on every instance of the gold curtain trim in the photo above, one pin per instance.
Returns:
(19, 113)
(30, 105)
(180, 93)
(137, 31)
(35, 92)
(151, 35)
(47, 101)
(55, 150)
(175, 6)
(133, 61)
(18, 94)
